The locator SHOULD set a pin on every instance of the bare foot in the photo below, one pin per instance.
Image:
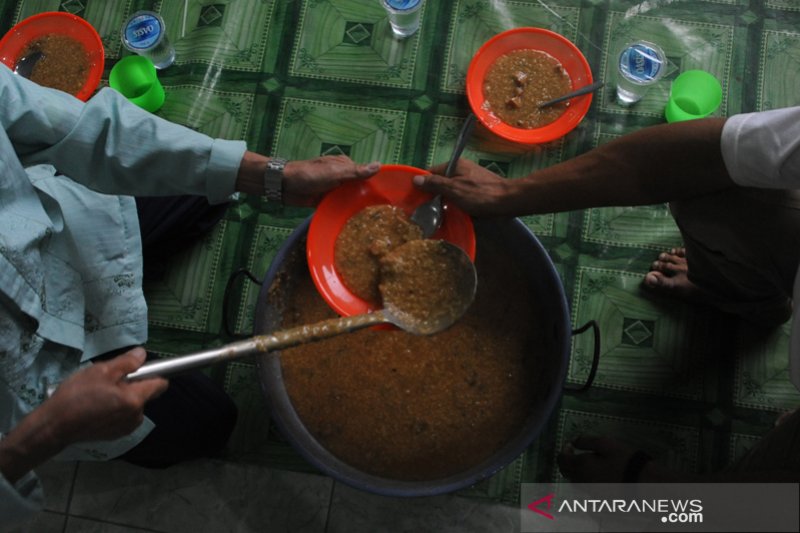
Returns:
(785, 416)
(595, 459)
(670, 276)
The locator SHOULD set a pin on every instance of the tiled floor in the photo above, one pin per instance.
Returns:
(216, 496)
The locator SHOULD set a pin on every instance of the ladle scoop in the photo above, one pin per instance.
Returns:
(427, 286)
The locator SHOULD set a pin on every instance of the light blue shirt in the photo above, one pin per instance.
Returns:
(70, 247)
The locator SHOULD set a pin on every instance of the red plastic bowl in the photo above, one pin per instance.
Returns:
(391, 185)
(14, 42)
(543, 40)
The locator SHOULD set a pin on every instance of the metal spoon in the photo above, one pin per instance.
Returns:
(428, 216)
(25, 64)
(452, 306)
(577, 92)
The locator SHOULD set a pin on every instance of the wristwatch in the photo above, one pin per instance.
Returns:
(273, 179)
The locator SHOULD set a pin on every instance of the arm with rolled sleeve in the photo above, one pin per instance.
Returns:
(95, 403)
(112, 146)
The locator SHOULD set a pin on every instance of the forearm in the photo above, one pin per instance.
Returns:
(28, 445)
(114, 147)
(250, 177)
(653, 165)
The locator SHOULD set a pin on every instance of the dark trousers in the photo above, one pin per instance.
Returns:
(195, 416)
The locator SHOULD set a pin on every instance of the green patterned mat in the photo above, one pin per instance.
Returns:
(312, 77)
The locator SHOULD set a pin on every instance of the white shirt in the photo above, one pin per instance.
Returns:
(763, 150)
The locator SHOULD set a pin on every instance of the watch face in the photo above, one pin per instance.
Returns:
(273, 179)
(276, 163)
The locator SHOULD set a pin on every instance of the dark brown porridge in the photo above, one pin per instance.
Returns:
(64, 63)
(365, 238)
(519, 81)
(414, 407)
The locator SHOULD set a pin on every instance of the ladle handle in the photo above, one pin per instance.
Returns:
(258, 344)
(461, 143)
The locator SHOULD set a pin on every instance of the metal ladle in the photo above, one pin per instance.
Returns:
(464, 279)
(428, 216)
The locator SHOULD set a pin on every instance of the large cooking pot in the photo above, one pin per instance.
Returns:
(525, 249)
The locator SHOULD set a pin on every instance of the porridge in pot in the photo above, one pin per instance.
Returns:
(424, 283)
(411, 407)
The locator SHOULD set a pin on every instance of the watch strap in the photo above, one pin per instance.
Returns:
(273, 179)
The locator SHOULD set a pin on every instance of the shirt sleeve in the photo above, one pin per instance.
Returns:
(763, 149)
(20, 501)
(113, 146)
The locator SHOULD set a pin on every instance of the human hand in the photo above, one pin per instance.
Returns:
(600, 460)
(96, 403)
(474, 189)
(604, 460)
(306, 181)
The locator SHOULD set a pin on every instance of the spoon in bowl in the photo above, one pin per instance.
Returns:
(25, 64)
(428, 216)
(577, 92)
(446, 298)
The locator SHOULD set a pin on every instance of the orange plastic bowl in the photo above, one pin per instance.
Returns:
(391, 185)
(14, 42)
(546, 41)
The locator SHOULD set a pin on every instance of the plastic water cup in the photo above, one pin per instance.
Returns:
(694, 94)
(404, 16)
(640, 65)
(136, 78)
(144, 33)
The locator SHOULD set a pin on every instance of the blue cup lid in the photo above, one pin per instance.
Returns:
(402, 5)
(143, 30)
(641, 62)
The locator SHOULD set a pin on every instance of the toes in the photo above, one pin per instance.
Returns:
(651, 279)
(655, 279)
(670, 263)
(665, 266)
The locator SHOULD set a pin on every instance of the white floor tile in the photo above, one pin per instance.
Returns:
(202, 496)
(57, 478)
(354, 511)
(83, 525)
(44, 522)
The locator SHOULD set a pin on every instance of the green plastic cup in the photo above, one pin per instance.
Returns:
(135, 77)
(694, 94)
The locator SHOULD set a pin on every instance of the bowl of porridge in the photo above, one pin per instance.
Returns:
(57, 50)
(358, 223)
(515, 71)
(398, 414)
